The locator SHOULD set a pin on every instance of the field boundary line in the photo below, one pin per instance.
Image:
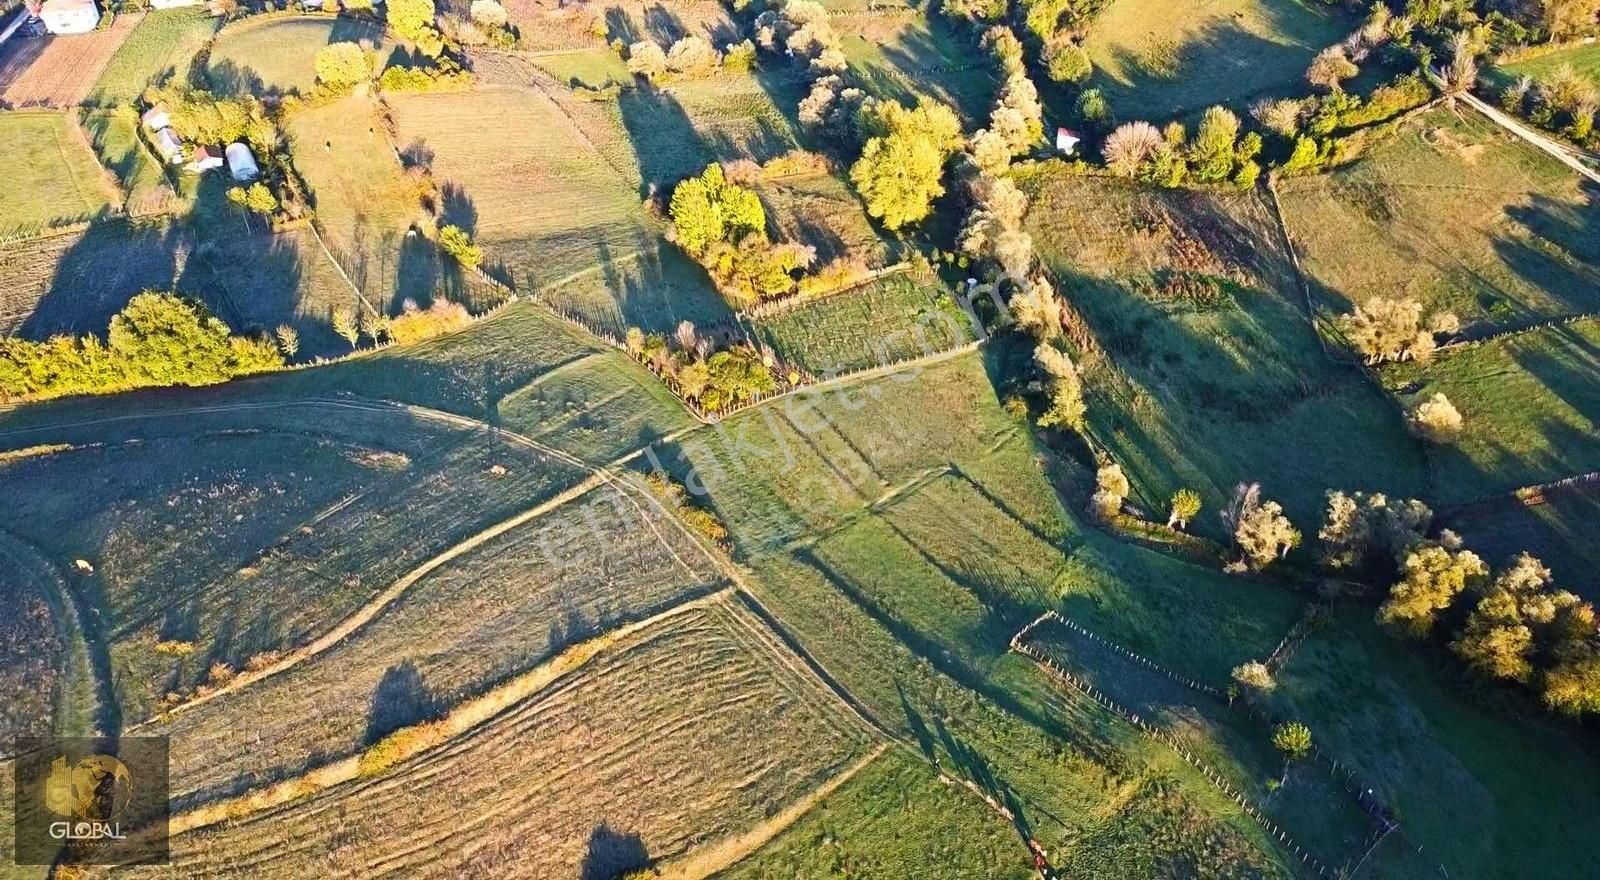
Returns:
(461, 720)
(713, 858)
(1537, 140)
(379, 603)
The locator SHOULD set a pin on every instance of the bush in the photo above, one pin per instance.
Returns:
(1436, 420)
(415, 324)
(646, 59)
(422, 79)
(488, 13)
(458, 244)
(1066, 61)
(341, 65)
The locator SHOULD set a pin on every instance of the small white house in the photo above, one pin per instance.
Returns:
(1067, 141)
(69, 16)
(156, 118)
(170, 147)
(204, 159)
(241, 164)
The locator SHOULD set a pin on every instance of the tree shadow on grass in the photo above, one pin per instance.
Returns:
(401, 699)
(104, 268)
(666, 144)
(611, 854)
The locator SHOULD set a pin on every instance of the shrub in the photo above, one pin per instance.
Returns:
(415, 324)
(1066, 61)
(400, 745)
(692, 56)
(489, 13)
(739, 57)
(341, 65)
(1436, 420)
(646, 59)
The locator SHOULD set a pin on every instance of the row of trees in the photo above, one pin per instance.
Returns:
(691, 56)
(1563, 102)
(158, 339)
(1168, 157)
(709, 378)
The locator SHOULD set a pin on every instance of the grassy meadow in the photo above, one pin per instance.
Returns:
(114, 136)
(1529, 405)
(277, 56)
(1483, 782)
(163, 46)
(1456, 213)
(52, 176)
(1155, 65)
(1559, 528)
(888, 320)
(1584, 59)
(910, 55)
(75, 281)
(1212, 368)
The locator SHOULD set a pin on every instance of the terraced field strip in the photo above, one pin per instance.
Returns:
(667, 729)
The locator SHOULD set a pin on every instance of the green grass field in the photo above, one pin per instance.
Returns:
(599, 408)
(114, 135)
(1471, 772)
(161, 47)
(652, 286)
(1584, 59)
(586, 68)
(1560, 530)
(365, 206)
(1214, 370)
(1529, 405)
(882, 322)
(1155, 65)
(910, 55)
(74, 282)
(539, 198)
(823, 212)
(1456, 213)
(52, 178)
(277, 56)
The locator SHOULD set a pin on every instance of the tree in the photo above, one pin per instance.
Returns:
(692, 55)
(374, 326)
(1035, 308)
(1462, 74)
(1292, 740)
(288, 340)
(1066, 61)
(1185, 505)
(708, 209)
(1111, 489)
(255, 198)
(458, 244)
(1361, 530)
(1572, 685)
(898, 174)
(1067, 408)
(1392, 329)
(1436, 420)
(1431, 578)
(489, 13)
(1498, 639)
(1255, 678)
(1212, 153)
(1132, 145)
(1280, 116)
(646, 59)
(1259, 528)
(1331, 67)
(411, 19)
(341, 65)
(345, 326)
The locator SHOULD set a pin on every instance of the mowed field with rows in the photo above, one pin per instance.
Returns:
(54, 179)
(686, 732)
(59, 71)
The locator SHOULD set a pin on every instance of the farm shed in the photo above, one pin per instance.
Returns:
(169, 146)
(1067, 141)
(241, 164)
(69, 16)
(205, 159)
(156, 118)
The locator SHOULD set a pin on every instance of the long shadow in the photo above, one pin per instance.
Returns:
(1560, 255)
(401, 699)
(104, 268)
(666, 144)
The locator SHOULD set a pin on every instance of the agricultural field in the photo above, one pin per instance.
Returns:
(276, 56)
(594, 563)
(531, 189)
(73, 282)
(332, 521)
(161, 47)
(888, 320)
(1583, 59)
(891, 820)
(599, 408)
(677, 131)
(52, 176)
(1211, 365)
(1529, 405)
(911, 55)
(822, 212)
(1456, 213)
(114, 135)
(586, 68)
(694, 730)
(366, 207)
(290, 282)
(1557, 526)
(652, 286)
(1155, 65)
(1471, 772)
(45, 669)
(58, 71)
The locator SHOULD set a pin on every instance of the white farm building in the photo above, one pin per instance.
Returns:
(241, 164)
(69, 16)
